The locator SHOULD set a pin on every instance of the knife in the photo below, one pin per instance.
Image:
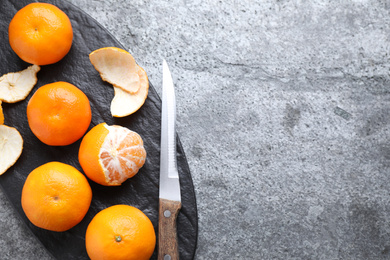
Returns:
(169, 195)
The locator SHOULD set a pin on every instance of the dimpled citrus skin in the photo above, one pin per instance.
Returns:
(120, 232)
(40, 34)
(59, 113)
(56, 196)
(89, 153)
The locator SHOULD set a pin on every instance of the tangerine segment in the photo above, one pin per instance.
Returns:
(59, 113)
(109, 155)
(40, 33)
(15, 86)
(11, 146)
(120, 232)
(117, 67)
(124, 103)
(56, 196)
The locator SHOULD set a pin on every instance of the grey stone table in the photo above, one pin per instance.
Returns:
(283, 112)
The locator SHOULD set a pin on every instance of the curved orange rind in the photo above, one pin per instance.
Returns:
(124, 104)
(1, 115)
(130, 81)
(11, 146)
(15, 86)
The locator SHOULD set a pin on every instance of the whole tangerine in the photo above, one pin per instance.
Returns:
(40, 33)
(59, 113)
(56, 196)
(120, 232)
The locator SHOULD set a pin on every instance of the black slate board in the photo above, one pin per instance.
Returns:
(142, 190)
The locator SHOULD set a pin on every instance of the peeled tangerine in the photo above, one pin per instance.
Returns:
(130, 82)
(110, 154)
(15, 86)
(11, 146)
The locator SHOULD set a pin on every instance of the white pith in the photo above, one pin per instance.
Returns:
(11, 146)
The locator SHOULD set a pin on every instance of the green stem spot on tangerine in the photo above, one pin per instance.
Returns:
(118, 238)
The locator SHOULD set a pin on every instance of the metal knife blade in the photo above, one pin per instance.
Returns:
(169, 193)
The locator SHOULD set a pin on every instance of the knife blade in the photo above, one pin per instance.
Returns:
(169, 193)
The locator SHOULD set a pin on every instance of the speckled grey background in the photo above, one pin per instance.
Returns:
(283, 112)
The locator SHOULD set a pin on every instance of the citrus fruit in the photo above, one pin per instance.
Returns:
(15, 86)
(130, 81)
(1, 114)
(11, 146)
(59, 113)
(109, 155)
(56, 196)
(40, 34)
(120, 232)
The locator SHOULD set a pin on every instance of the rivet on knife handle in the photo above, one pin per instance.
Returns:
(167, 238)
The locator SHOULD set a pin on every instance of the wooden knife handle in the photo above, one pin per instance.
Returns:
(167, 236)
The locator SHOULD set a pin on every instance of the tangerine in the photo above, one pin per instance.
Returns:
(56, 196)
(40, 33)
(109, 155)
(59, 113)
(120, 232)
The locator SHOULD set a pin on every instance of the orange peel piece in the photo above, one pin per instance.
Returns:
(15, 86)
(124, 104)
(1, 115)
(116, 66)
(115, 63)
(11, 146)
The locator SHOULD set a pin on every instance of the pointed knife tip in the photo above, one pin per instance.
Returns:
(165, 68)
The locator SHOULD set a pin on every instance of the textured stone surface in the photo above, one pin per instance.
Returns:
(283, 111)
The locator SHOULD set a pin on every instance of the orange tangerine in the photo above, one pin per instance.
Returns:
(56, 196)
(40, 33)
(59, 113)
(120, 232)
(109, 155)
